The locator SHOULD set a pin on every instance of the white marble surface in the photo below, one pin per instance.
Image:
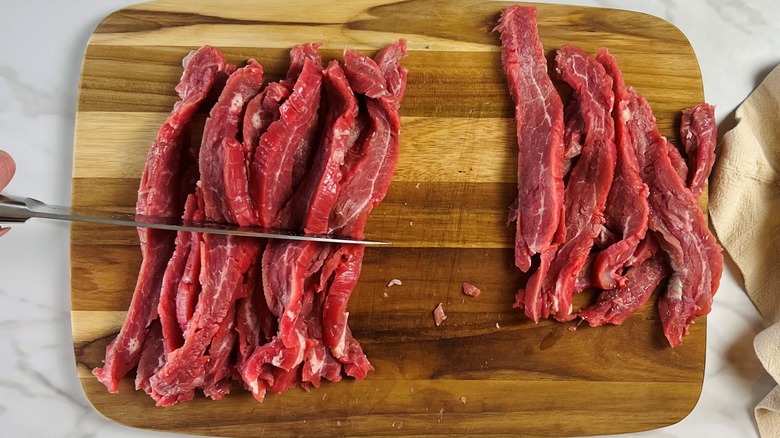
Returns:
(41, 45)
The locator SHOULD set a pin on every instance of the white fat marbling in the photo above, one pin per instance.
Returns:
(41, 45)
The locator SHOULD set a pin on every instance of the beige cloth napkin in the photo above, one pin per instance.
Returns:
(745, 211)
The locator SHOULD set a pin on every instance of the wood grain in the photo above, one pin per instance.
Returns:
(445, 212)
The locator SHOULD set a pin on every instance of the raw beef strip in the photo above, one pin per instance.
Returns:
(174, 273)
(626, 210)
(272, 175)
(318, 362)
(223, 124)
(162, 171)
(236, 177)
(309, 208)
(189, 287)
(250, 311)
(367, 177)
(678, 162)
(694, 255)
(539, 117)
(261, 111)
(368, 174)
(225, 259)
(152, 359)
(216, 383)
(587, 189)
(615, 306)
(287, 143)
(585, 277)
(287, 265)
(573, 133)
(698, 131)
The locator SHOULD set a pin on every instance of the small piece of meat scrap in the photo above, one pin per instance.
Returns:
(539, 123)
(698, 131)
(162, 172)
(438, 315)
(471, 290)
(626, 211)
(587, 189)
(681, 228)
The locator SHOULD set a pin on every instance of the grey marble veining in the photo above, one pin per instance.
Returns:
(736, 41)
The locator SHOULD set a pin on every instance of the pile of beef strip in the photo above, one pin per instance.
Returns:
(313, 152)
(604, 200)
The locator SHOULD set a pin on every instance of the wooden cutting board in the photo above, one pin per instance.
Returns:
(487, 370)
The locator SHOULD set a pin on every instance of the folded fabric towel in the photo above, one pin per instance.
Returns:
(745, 211)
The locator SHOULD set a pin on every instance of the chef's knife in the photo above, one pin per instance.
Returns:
(15, 209)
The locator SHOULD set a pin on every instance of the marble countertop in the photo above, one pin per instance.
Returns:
(41, 46)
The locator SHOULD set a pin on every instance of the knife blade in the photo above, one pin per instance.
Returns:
(15, 209)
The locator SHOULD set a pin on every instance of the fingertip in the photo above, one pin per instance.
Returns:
(7, 168)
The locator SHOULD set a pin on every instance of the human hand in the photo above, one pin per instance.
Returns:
(7, 170)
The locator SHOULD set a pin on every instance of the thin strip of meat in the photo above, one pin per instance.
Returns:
(615, 306)
(539, 117)
(310, 207)
(152, 359)
(223, 125)
(287, 142)
(588, 186)
(693, 252)
(261, 111)
(225, 259)
(573, 133)
(273, 171)
(255, 323)
(172, 333)
(367, 178)
(626, 210)
(287, 265)
(698, 132)
(189, 287)
(162, 171)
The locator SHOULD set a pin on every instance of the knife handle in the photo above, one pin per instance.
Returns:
(13, 209)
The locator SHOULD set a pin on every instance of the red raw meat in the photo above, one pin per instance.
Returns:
(438, 315)
(626, 209)
(261, 111)
(189, 287)
(223, 124)
(698, 131)
(586, 191)
(367, 176)
(615, 306)
(163, 171)
(309, 208)
(694, 255)
(471, 290)
(172, 332)
(225, 259)
(287, 140)
(539, 117)
(573, 133)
